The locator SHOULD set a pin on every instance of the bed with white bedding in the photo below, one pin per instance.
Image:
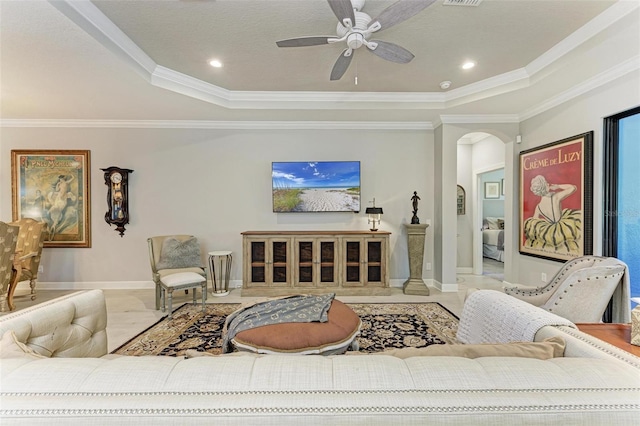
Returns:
(493, 238)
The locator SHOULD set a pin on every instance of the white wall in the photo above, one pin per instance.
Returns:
(217, 183)
(582, 114)
(465, 222)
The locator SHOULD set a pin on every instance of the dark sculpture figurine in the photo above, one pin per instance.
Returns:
(415, 220)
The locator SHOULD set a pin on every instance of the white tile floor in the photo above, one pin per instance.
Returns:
(132, 311)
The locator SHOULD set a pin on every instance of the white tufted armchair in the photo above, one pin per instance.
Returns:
(582, 289)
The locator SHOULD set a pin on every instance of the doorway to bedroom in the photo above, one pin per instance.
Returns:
(491, 210)
(480, 224)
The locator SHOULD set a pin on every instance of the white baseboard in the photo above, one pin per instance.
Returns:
(90, 285)
(464, 270)
(111, 285)
(445, 288)
(141, 285)
(396, 283)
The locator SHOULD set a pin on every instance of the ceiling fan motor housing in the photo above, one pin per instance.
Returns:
(362, 22)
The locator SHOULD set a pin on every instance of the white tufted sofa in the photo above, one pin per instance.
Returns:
(593, 384)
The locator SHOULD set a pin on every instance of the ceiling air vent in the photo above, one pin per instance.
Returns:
(462, 2)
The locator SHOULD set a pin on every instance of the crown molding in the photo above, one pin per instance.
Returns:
(217, 125)
(492, 86)
(612, 74)
(479, 118)
(88, 17)
(193, 87)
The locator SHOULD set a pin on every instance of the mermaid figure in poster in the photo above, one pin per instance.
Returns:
(551, 226)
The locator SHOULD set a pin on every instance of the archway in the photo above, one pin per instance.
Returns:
(480, 168)
(447, 135)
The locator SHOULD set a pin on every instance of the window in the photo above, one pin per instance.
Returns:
(622, 193)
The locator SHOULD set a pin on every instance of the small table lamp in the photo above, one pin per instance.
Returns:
(374, 214)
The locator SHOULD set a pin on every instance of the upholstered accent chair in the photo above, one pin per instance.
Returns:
(8, 241)
(582, 289)
(31, 238)
(173, 254)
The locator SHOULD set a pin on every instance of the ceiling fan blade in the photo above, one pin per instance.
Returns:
(343, 9)
(341, 65)
(398, 12)
(392, 52)
(304, 41)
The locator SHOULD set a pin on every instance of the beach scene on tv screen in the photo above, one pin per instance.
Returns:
(325, 186)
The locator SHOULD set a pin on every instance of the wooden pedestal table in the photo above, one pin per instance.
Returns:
(415, 240)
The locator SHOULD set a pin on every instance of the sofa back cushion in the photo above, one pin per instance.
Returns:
(69, 326)
(550, 348)
(11, 347)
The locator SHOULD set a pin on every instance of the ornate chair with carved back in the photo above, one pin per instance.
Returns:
(8, 241)
(31, 236)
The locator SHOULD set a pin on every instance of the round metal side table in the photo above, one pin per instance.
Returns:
(220, 270)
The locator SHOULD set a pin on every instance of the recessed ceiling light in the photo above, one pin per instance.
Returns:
(468, 65)
(215, 63)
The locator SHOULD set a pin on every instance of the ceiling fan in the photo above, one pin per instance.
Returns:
(355, 27)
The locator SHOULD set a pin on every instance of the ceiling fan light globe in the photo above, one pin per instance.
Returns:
(355, 40)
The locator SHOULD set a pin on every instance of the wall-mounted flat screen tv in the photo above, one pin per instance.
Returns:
(319, 186)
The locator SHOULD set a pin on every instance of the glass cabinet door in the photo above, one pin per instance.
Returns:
(305, 274)
(353, 263)
(315, 263)
(374, 261)
(328, 262)
(279, 258)
(258, 262)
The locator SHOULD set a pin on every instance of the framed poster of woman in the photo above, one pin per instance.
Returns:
(52, 186)
(556, 199)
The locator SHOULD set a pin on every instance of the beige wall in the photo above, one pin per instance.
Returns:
(217, 183)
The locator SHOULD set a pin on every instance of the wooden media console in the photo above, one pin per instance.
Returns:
(277, 263)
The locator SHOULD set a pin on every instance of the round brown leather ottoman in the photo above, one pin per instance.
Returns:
(304, 338)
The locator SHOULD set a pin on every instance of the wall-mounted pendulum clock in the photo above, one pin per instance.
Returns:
(117, 181)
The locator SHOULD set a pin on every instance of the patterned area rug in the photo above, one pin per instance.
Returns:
(384, 326)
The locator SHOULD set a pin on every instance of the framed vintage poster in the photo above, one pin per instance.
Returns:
(53, 186)
(556, 199)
